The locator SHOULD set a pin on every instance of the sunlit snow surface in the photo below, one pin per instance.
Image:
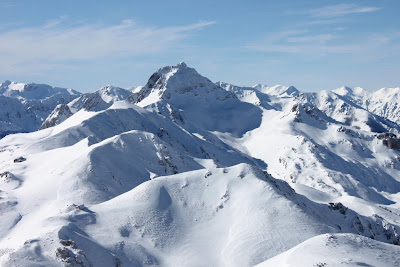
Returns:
(186, 172)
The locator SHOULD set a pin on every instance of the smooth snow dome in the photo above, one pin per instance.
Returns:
(183, 171)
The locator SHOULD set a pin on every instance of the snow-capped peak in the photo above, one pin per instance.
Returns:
(179, 78)
(175, 81)
(387, 93)
(277, 90)
(350, 92)
(183, 64)
(110, 93)
(5, 83)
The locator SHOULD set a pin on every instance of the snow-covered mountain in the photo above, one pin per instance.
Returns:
(32, 91)
(96, 101)
(383, 102)
(264, 174)
(26, 106)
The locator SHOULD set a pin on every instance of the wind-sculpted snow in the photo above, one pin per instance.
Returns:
(185, 172)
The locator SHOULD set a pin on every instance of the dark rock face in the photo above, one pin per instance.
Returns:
(390, 140)
(59, 114)
(20, 159)
(339, 207)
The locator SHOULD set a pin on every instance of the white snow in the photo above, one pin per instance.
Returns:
(187, 172)
(338, 250)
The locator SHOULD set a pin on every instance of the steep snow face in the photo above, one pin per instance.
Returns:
(338, 250)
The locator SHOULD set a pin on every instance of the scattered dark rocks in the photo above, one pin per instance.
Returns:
(339, 207)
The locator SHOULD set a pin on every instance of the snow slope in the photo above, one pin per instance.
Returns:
(338, 250)
(183, 163)
(324, 142)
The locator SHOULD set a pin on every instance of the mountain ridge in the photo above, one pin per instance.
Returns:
(182, 162)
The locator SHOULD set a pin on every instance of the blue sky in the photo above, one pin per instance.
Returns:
(311, 44)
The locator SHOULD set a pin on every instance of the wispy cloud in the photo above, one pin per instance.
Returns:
(340, 10)
(42, 47)
(301, 42)
(364, 48)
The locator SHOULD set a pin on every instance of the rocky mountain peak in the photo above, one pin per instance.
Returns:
(175, 81)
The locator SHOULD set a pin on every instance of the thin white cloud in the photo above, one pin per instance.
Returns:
(304, 49)
(319, 38)
(340, 10)
(34, 48)
(364, 48)
(301, 42)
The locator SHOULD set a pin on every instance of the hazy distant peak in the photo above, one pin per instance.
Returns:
(277, 90)
(5, 83)
(348, 91)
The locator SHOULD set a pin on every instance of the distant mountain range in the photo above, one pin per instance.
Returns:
(187, 172)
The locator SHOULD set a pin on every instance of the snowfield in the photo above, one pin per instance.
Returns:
(186, 172)
(338, 250)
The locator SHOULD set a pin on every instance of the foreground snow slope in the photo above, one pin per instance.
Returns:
(183, 163)
(338, 250)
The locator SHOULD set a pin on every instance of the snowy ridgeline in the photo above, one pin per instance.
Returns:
(29, 107)
(187, 172)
